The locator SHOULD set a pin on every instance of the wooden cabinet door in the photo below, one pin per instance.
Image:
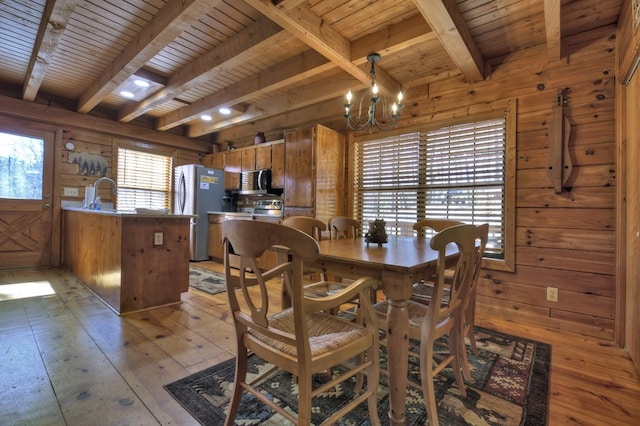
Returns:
(299, 187)
(232, 168)
(214, 161)
(263, 157)
(277, 165)
(248, 159)
(215, 249)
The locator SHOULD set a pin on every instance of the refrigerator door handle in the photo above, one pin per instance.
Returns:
(182, 192)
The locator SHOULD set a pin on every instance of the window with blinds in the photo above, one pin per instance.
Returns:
(455, 172)
(144, 180)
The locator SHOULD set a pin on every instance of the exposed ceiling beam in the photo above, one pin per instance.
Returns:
(302, 22)
(317, 113)
(552, 29)
(328, 88)
(54, 21)
(229, 54)
(174, 18)
(447, 22)
(291, 71)
(389, 40)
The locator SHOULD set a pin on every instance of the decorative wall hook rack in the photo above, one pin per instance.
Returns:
(559, 166)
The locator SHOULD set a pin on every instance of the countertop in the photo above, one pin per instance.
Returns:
(130, 213)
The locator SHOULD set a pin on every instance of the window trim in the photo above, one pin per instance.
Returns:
(509, 112)
(149, 148)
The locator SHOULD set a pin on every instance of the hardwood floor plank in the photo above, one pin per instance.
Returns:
(26, 395)
(74, 360)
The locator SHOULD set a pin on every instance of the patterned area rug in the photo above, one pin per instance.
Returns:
(210, 281)
(510, 386)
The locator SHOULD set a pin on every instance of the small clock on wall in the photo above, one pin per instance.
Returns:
(70, 146)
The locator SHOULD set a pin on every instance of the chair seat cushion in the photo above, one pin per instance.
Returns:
(327, 333)
(323, 289)
(416, 312)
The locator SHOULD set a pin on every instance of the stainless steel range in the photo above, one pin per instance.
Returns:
(267, 207)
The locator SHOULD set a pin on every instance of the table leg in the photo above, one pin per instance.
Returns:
(397, 288)
(397, 359)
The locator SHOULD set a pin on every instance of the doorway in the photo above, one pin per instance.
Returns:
(26, 185)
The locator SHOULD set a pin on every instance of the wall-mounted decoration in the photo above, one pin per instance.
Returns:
(636, 14)
(89, 164)
(559, 166)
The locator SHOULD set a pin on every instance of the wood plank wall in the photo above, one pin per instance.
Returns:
(104, 145)
(564, 240)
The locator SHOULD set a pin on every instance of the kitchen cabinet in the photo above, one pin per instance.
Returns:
(263, 157)
(248, 159)
(314, 172)
(118, 256)
(215, 247)
(232, 168)
(214, 161)
(277, 165)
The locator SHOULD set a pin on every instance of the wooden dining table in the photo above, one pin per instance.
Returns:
(397, 265)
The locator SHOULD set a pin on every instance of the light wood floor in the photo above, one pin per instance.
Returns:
(67, 359)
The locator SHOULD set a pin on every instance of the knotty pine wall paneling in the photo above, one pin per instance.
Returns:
(565, 240)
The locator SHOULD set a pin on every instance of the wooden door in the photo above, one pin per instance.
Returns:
(26, 186)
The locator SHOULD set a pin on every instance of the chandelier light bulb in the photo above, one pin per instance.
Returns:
(349, 96)
(399, 97)
(374, 89)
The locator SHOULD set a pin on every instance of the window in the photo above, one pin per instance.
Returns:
(144, 180)
(456, 171)
(21, 167)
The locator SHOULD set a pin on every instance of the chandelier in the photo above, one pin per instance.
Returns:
(376, 115)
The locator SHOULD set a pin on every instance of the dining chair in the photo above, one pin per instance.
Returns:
(308, 225)
(423, 290)
(430, 322)
(301, 339)
(344, 227)
(426, 228)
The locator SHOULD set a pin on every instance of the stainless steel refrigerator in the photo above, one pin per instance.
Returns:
(198, 190)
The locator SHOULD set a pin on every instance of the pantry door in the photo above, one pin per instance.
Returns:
(26, 185)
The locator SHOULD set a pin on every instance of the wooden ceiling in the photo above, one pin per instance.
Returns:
(276, 64)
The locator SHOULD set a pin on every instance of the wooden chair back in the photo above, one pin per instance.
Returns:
(344, 227)
(282, 336)
(436, 225)
(308, 225)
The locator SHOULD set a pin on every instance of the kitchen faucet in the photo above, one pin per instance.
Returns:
(95, 187)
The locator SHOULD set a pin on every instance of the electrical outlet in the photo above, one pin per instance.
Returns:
(552, 294)
(158, 239)
(70, 192)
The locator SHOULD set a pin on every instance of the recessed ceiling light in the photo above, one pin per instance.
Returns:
(205, 117)
(127, 94)
(225, 111)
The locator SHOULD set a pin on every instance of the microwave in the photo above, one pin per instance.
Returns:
(255, 181)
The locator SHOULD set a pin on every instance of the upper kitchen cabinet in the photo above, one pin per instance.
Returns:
(314, 172)
(277, 165)
(232, 168)
(214, 161)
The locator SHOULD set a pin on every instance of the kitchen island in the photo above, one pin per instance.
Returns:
(131, 261)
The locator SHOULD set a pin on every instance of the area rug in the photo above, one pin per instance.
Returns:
(209, 281)
(510, 386)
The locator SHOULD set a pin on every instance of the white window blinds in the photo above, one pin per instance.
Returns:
(455, 172)
(144, 180)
